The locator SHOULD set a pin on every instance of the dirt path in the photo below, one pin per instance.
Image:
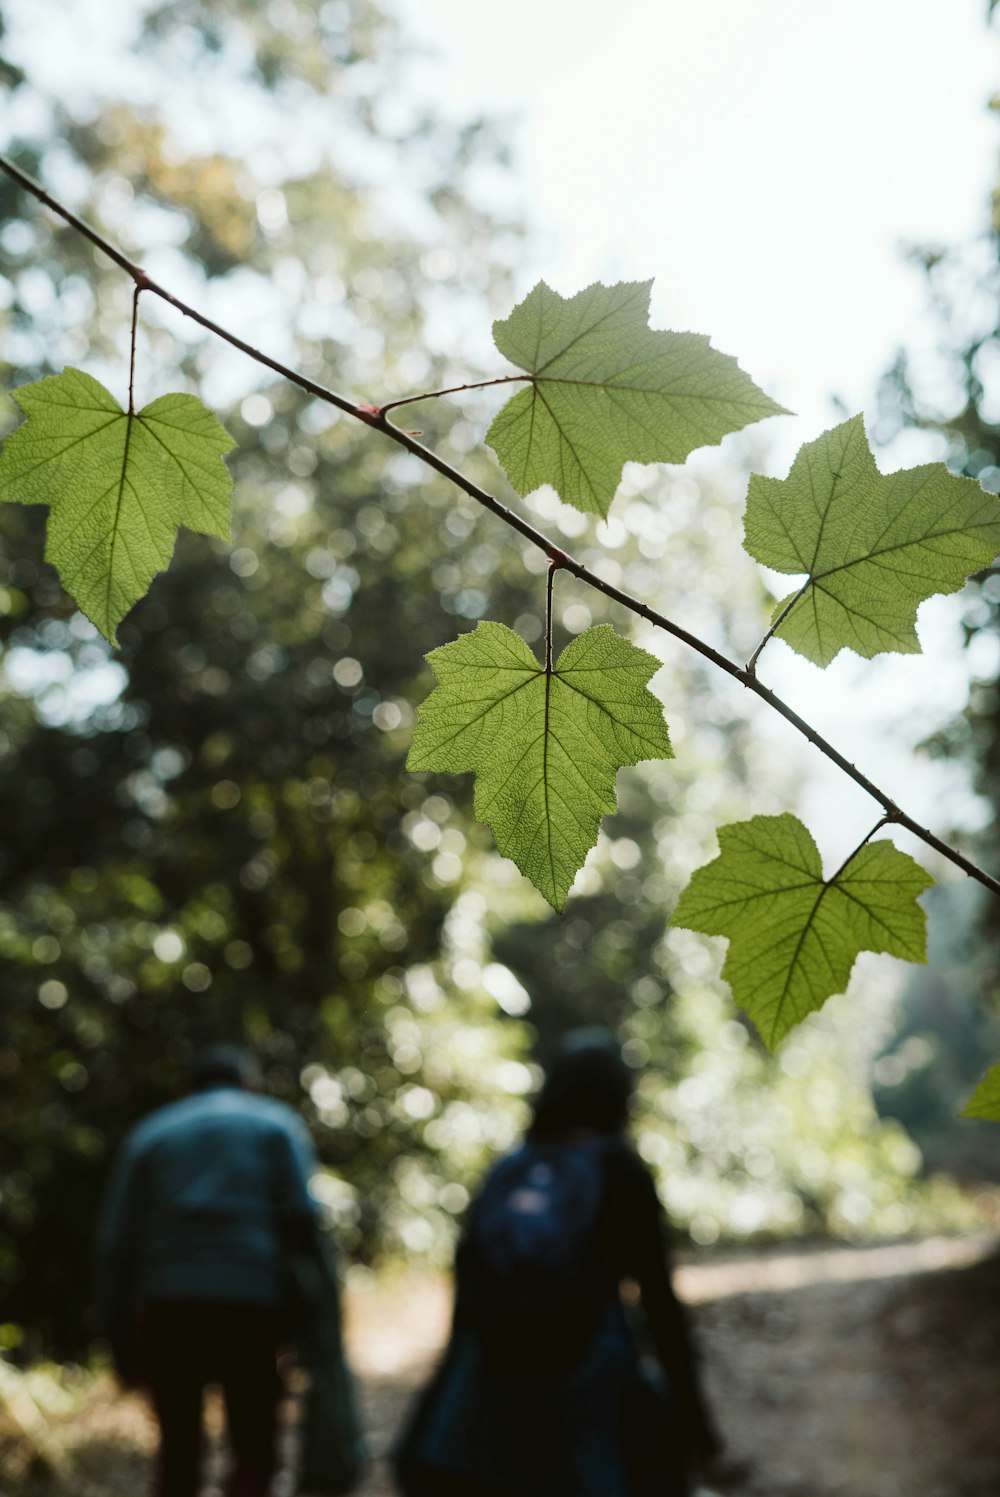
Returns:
(836, 1373)
(859, 1374)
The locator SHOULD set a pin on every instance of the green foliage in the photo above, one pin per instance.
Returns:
(794, 935)
(874, 546)
(607, 389)
(544, 743)
(117, 485)
(221, 847)
(942, 1034)
(208, 833)
(985, 1100)
(223, 844)
(941, 389)
(750, 1144)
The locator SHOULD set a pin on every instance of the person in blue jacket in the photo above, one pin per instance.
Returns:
(207, 1207)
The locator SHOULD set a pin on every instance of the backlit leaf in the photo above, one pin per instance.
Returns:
(793, 936)
(117, 486)
(607, 389)
(873, 545)
(985, 1100)
(545, 747)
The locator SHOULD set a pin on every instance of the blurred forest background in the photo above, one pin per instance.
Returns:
(210, 835)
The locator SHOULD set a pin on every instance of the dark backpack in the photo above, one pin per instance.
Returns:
(531, 1251)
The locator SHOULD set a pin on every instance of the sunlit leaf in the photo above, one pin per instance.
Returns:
(985, 1100)
(117, 486)
(873, 545)
(545, 747)
(607, 389)
(794, 935)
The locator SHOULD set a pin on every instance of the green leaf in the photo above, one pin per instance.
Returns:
(793, 934)
(545, 747)
(873, 546)
(117, 486)
(985, 1100)
(606, 389)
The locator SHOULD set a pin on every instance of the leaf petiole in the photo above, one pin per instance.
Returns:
(479, 384)
(137, 292)
(885, 820)
(549, 580)
(751, 665)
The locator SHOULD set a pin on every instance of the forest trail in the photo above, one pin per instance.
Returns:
(835, 1372)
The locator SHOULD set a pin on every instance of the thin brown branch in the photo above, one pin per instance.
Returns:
(752, 662)
(37, 190)
(137, 292)
(375, 417)
(882, 821)
(478, 384)
(146, 283)
(549, 581)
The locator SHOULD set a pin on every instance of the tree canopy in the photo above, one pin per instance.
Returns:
(211, 834)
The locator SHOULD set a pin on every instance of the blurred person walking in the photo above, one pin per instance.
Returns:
(208, 1247)
(544, 1389)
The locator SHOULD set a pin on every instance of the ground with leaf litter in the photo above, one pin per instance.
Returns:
(836, 1372)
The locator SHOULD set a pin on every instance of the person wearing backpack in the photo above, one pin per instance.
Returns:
(544, 1389)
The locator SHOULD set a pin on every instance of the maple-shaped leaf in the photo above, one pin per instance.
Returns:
(117, 485)
(985, 1100)
(607, 389)
(545, 746)
(793, 935)
(873, 545)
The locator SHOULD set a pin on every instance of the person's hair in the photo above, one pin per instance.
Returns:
(228, 1065)
(587, 1085)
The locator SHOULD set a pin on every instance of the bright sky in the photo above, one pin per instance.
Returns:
(767, 162)
(764, 161)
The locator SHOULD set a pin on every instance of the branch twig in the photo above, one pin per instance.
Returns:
(882, 821)
(550, 579)
(752, 662)
(477, 384)
(131, 355)
(375, 417)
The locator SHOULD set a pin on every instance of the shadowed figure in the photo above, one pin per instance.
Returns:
(546, 1388)
(207, 1231)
